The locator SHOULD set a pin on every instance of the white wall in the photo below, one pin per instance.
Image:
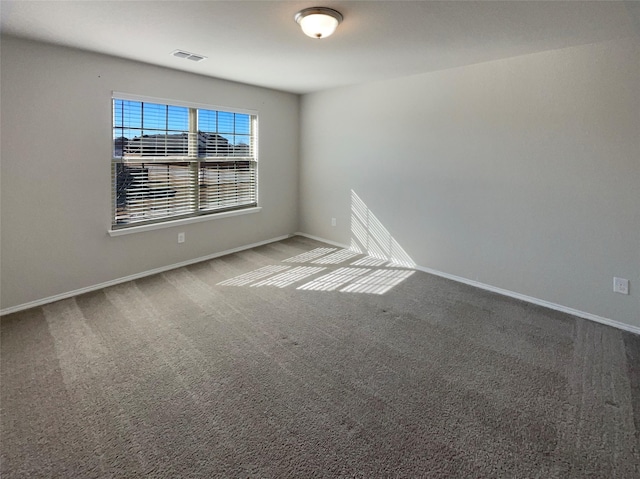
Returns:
(55, 171)
(522, 174)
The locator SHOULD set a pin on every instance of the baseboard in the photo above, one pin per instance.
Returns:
(531, 299)
(459, 279)
(506, 292)
(322, 240)
(88, 289)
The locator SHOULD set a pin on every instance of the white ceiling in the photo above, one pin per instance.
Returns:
(258, 42)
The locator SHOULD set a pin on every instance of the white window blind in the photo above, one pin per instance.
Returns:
(175, 161)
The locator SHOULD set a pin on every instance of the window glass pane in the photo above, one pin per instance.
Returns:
(119, 142)
(225, 122)
(212, 144)
(178, 118)
(207, 121)
(129, 133)
(243, 124)
(127, 113)
(241, 147)
(154, 116)
(117, 112)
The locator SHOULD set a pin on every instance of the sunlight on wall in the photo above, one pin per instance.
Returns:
(355, 246)
(377, 262)
(370, 237)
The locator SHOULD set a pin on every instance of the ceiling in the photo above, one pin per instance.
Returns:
(258, 42)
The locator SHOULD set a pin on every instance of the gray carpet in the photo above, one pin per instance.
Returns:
(298, 366)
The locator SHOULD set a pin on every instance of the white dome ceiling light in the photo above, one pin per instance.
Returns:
(318, 22)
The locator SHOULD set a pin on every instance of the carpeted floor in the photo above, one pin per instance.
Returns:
(289, 360)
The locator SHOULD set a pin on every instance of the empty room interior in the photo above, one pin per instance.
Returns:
(320, 239)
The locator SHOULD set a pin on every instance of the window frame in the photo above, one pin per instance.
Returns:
(196, 164)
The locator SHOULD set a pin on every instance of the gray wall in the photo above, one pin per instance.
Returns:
(522, 174)
(55, 172)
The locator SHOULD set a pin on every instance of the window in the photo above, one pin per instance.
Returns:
(173, 161)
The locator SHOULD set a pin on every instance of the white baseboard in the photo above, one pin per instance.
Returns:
(113, 282)
(511, 294)
(531, 299)
(459, 279)
(323, 240)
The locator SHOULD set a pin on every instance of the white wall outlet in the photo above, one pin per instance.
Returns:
(180, 237)
(621, 285)
(333, 221)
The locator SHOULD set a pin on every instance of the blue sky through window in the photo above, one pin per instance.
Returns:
(132, 119)
(150, 116)
(235, 127)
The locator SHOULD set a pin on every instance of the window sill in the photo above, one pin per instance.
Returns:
(180, 222)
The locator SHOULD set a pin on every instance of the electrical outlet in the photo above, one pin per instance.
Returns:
(180, 237)
(621, 285)
(333, 221)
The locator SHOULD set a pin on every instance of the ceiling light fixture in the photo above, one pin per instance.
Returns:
(318, 22)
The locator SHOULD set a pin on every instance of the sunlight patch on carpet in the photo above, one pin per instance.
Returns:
(252, 276)
(309, 255)
(289, 277)
(335, 279)
(378, 282)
